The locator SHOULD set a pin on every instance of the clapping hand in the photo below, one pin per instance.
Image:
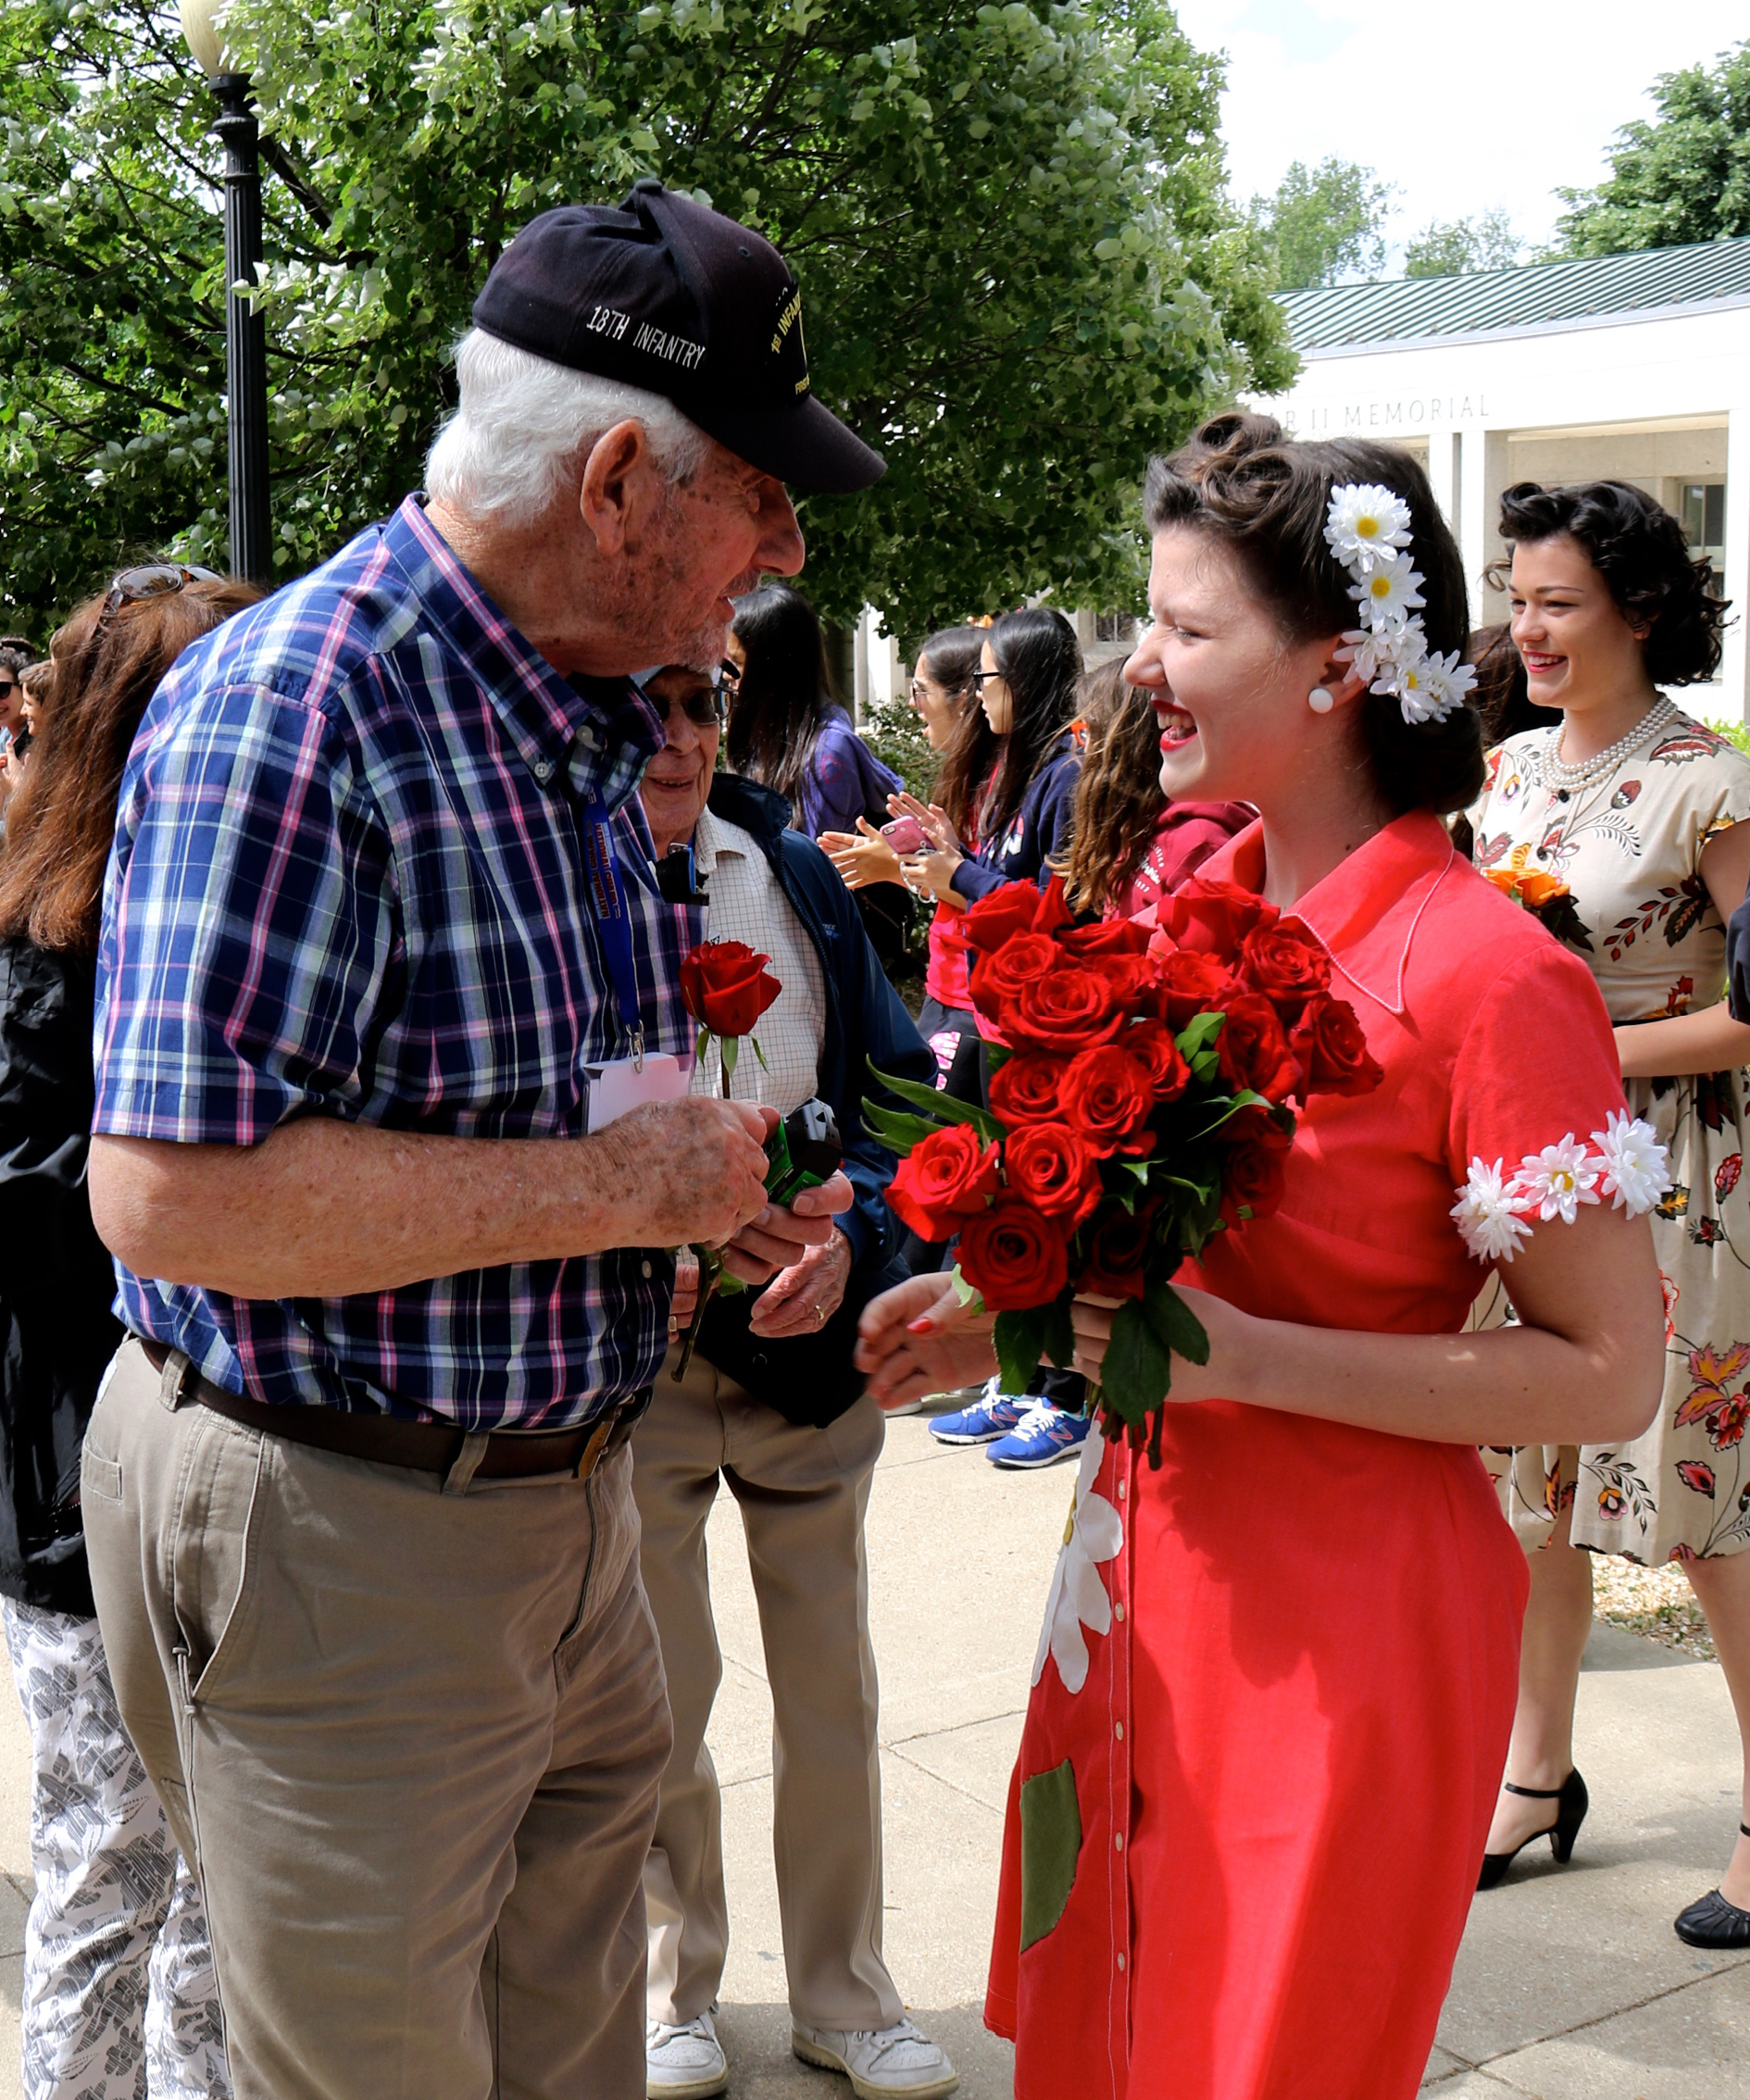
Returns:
(862, 857)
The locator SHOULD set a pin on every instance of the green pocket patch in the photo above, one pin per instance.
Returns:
(1051, 1842)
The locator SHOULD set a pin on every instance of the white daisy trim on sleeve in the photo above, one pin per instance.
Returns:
(1624, 1161)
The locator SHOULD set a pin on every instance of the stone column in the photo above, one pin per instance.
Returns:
(1734, 670)
(1483, 474)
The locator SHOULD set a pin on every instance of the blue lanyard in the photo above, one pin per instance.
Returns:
(607, 893)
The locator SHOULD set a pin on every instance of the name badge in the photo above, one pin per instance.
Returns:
(627, 1083)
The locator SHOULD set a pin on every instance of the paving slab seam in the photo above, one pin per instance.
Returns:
(959, 1728)
(949, 1784)
(1604, 2018)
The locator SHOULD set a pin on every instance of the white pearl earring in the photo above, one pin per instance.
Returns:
(1319, 701)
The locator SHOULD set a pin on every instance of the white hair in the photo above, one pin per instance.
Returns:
(524, 426)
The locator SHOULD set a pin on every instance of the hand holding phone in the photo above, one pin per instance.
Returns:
(904, 834)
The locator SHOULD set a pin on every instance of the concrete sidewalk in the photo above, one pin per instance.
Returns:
(1571, 1985)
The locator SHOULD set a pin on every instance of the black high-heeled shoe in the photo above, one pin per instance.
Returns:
(1711, 1921)
(1571, 1800)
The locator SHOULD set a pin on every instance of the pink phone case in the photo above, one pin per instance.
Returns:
(904, 834)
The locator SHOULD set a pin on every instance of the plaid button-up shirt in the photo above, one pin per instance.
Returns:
(349, 880)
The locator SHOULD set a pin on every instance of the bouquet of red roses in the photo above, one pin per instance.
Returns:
(1138, 1104)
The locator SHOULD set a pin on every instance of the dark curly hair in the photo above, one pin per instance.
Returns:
(1642, 553)
(1244, 483)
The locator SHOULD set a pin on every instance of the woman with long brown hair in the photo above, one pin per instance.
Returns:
(1129, 844)
(118, 1990)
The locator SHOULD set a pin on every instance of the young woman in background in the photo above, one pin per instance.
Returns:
(1028, 684)
(1627, 822)
(118, 1990)
(1130, 847)
(787, 730)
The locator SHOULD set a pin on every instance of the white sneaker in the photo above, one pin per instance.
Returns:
(683, 2063)
(893, 2060)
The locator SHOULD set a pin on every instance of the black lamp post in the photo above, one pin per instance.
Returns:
(245, 331)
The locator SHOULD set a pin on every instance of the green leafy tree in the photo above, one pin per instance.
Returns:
(1324, 223)
(1683, 177)
(1020, 271)
(1455, 248)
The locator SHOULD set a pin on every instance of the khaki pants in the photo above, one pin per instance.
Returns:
(803, 1493)
(410, 1734)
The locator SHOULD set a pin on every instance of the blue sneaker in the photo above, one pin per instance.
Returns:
(1044, 1435)
(992, 1415)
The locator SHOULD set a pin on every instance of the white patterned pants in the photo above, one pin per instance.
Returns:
(120, 2002)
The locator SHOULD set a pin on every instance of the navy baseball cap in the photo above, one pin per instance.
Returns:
(664, 293)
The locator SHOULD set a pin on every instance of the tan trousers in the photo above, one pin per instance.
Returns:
(803, 1493)
(408, 1732)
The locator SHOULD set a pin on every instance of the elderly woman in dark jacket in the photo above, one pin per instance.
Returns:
(118, 1993)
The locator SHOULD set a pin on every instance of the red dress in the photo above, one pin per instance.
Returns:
(1273, 1707)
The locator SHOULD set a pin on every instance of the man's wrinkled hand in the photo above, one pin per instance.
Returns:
(807, 1294)
(693, 1170)
(780, 1234)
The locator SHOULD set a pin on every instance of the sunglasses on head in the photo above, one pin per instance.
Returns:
(155, 581)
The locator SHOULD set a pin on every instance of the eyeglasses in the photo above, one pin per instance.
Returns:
(703, 706)
(980, 678)
(156, 580)
(728, 673)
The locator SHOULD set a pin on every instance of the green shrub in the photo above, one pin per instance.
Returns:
(896, 737)
(1738, 732)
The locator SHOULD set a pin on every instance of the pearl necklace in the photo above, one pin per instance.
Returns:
(1566, 780)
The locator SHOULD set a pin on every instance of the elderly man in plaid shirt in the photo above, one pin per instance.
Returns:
(383, 947)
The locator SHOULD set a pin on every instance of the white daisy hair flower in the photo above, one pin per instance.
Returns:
(1366, 524)
(1487, 1215)
(1446, 682)
(1636, 1166)
(1368, 529)
(1558, 1179)
(1388, 593)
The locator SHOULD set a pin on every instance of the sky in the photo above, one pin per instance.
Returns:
(1463, 106)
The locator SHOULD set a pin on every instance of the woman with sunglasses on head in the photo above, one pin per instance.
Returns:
(118, 1992)
(1626, 828)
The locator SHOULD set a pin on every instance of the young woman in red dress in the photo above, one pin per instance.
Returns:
(1272, 1706)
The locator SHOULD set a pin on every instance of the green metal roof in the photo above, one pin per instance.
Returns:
(1535, 294)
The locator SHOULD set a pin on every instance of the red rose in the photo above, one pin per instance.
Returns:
(1254, 1165)
(1052, 913)
(1055, 1170)
(1116, 1251)
(1252, 1049)
(1151, 1043)
(1108, 1095)
(1135, 980)
(1192, 983)
(1214, 917)
(1108, 937)
(1287, 963)
(1072, 1009)
(998, 917)
(1014, 1257)
(726, 986)
(946, 1178)
(1024, 1088)
(1332, 1049)
(999, 973)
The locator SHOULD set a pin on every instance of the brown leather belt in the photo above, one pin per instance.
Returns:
(427, 1447)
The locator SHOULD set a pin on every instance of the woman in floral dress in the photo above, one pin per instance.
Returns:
(1278, 1675)
(1623, 829)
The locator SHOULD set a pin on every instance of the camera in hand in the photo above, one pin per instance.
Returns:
(804, 1151)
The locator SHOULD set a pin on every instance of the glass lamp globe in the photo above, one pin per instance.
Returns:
(202, 37)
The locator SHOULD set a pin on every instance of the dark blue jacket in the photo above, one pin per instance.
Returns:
(864, 1017)
(1038, 833)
